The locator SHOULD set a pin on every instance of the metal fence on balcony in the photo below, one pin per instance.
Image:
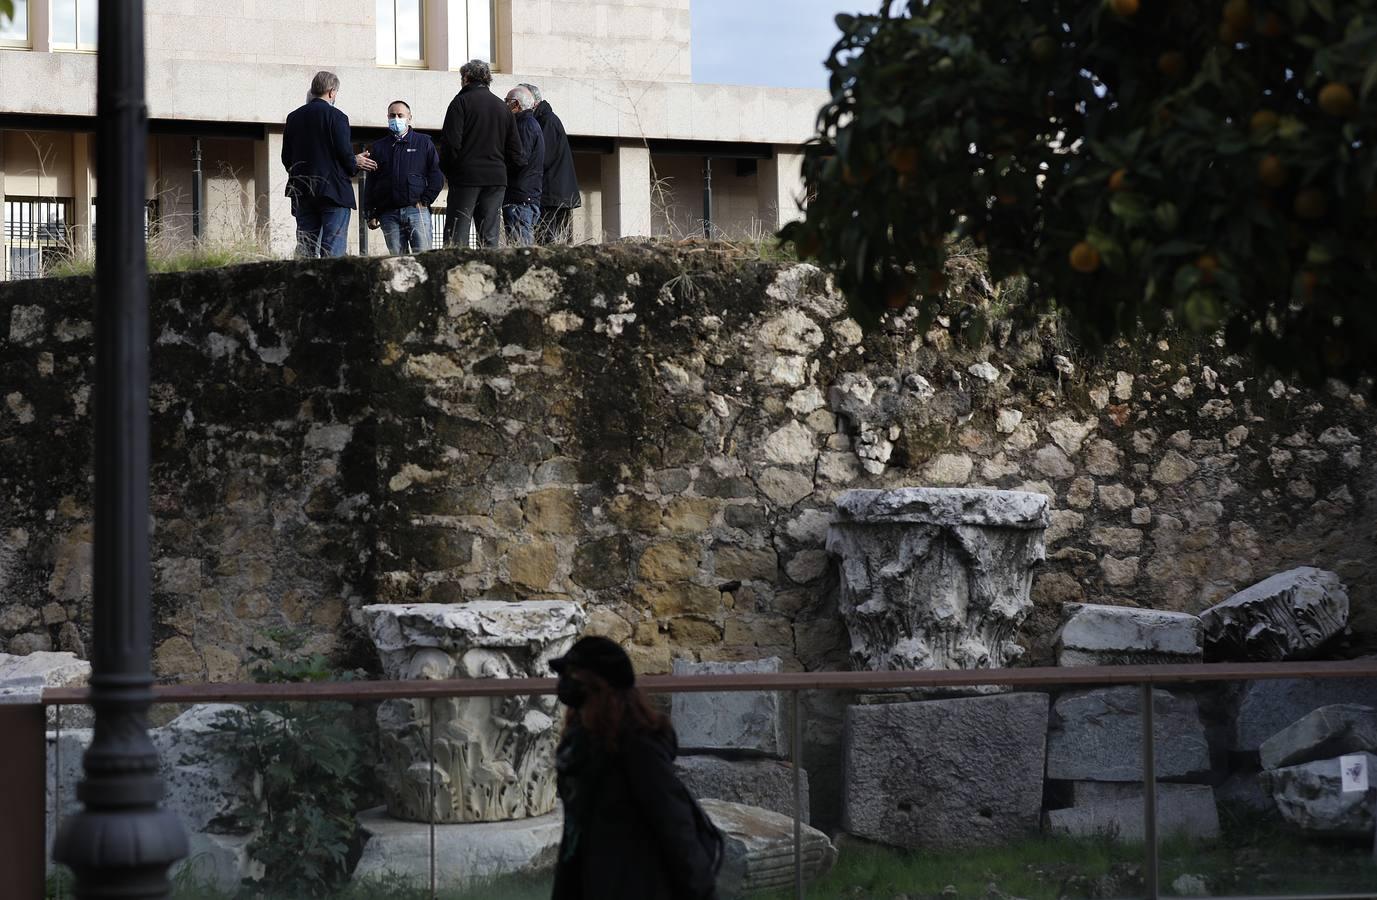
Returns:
(37, 234)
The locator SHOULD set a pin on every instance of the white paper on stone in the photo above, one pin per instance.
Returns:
(1353, 773)
(492, 755)
(936, 578)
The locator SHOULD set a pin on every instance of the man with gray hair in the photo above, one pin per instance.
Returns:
(480, 142)
(521, 205)
(561, 194)
(320, 164)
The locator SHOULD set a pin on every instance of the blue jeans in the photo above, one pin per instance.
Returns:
(322, 229)
(520, 219)
(406, 230)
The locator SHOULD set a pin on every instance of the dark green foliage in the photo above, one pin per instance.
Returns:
(309, 764)
(1209, 162)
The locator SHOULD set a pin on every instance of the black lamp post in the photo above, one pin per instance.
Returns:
(121, 844)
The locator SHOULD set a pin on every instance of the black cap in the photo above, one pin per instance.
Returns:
(600, 656)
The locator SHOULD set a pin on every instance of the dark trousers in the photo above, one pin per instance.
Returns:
(322, 229)
(555, 226)
(471, 204)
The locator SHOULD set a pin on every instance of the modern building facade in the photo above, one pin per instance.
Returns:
(656, 154)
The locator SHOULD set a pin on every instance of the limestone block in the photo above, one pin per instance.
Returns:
(1116, 810)
(199, 776)
(491, 754)
(1325, 733)
(1288, 616)
(1309, 796)
(1096, 635)
(397, 853)
(751, 722)
(1097, 735)
(766, 783)
(52, 670)
(936, 578)
(1264, 708)
(760, 849)
(945, 774)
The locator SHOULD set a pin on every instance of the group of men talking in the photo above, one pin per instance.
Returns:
(507, 163)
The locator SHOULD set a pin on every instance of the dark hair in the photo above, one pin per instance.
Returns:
(610, 711)
(402, 102)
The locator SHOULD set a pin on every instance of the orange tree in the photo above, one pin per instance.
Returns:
(1141, 162)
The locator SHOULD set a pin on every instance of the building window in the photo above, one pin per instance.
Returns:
(470, 31)
(74, 24)
(401, 33)
(14, 30)
(37, 235)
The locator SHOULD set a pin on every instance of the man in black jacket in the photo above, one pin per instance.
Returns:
(398, 195)
(480, 142)
(561, 194)
(320, 163)
(521, 205)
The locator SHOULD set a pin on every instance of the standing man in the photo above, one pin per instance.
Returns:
(480, 141)
(521, 205)
(398, 195)
(320, 163)
(561, 194)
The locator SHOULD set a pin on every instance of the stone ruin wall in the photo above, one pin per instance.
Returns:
(660, 435)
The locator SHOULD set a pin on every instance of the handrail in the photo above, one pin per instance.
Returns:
(1048, 676)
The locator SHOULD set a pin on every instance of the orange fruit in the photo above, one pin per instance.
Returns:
(1207, 265)
(1271, 171)
(1272, 26)
(1044, 48)
(1124, 7)
(904, 159)
(1117, 179)
(1238, 14)
(1084, 258)
(1311, 203)
(1337, 99)
(1172, 64)
(1263, 120)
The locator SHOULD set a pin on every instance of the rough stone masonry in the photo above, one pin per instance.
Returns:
(659, 435)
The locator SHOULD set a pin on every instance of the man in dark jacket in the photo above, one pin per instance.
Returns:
(320, 163)
(561, 194)
(521, 205)
(480, 141)
(398, 195)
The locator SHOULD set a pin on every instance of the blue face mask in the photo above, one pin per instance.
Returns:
(397, 124)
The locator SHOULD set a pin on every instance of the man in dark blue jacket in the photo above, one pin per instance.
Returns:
(320, 163)
(561, 193)
(398, 195)
(521, 205)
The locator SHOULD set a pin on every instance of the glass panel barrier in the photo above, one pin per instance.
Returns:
(1274, 816)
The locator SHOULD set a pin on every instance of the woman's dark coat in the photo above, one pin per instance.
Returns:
(631, 832)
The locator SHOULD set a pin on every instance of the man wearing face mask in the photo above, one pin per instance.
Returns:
(320, 162)
(398, 195)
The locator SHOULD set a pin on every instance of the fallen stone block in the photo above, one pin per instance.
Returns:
(1097, 735)
(1310, 797)
(1325, 733)
(397, 853)
(1264, 708)
(54, 670)
(1116, 810)
(1096, 635)
(766, 783)
(760, 849)
(1288, 616)
(740, 722)
(945, 774)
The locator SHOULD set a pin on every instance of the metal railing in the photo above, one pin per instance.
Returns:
(1146, 677)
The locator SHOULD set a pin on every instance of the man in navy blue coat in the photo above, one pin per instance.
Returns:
(398, 195)
(320, 162)
(521, 204)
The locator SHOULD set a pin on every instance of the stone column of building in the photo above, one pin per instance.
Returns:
(83, 192)
(779, 186)
(4, 249)
(626, 191)
(275, 222)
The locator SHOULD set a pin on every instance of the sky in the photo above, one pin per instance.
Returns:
(771, 43)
